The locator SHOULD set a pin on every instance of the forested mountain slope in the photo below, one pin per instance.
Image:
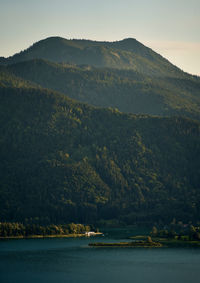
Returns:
(124, 54)
(64, 161)
(127, 90)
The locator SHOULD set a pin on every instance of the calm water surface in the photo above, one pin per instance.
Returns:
(71, 260)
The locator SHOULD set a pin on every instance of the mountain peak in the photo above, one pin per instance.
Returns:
(129, 39)
(127, 53)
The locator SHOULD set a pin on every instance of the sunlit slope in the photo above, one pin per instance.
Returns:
(124, 54)
(127, 90)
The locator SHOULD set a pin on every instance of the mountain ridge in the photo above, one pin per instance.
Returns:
(126, 53)
(127, 90)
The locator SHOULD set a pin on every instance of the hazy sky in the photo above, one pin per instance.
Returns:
(170, 27)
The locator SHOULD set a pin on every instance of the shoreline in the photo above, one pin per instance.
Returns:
(169, 242)
(139, 244)
(52, 236)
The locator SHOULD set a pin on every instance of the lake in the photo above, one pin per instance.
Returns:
(71, 260)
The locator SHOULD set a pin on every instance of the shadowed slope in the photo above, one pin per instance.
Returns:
(64, 161)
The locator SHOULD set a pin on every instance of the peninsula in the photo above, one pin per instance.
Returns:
(134, 244)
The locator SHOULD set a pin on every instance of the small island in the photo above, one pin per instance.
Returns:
(175, 234)
(134, 244)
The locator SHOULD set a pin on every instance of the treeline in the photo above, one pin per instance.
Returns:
(178, 231)
(25, 230)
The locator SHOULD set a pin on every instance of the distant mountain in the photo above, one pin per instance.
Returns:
(127, 90)
(124, 54)
(64, 161)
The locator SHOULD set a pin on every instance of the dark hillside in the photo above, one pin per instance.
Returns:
(64, 161)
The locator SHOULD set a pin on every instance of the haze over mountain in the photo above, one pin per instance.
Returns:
(127, 90)
(124, 74)
(124, 54)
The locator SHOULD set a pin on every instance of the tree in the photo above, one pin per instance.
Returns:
(154, 231)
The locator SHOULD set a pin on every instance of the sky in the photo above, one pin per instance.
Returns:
(170, 27)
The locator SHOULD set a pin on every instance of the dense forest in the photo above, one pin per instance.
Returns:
(127, 90)
(102, 159)
(33, 230)
(63, 161)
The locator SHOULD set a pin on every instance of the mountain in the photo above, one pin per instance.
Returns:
(127, 90)
(123, 74)
(64, 161)
(124, 54)
(8, 79)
